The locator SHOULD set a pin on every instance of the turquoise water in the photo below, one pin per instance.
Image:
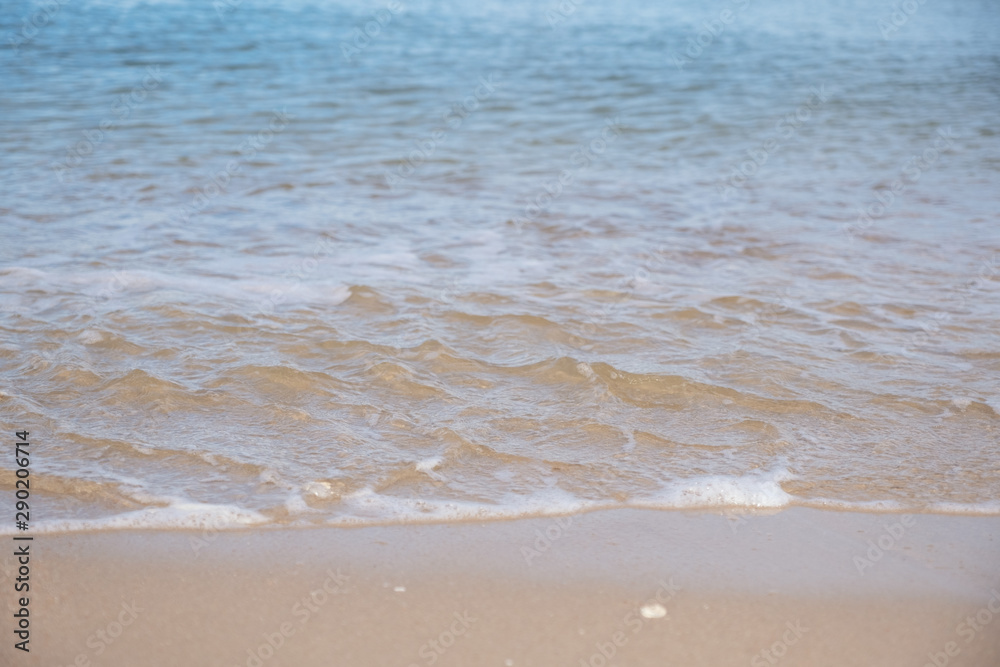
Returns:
(324, 261)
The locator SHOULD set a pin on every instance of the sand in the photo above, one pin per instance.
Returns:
(621, 587)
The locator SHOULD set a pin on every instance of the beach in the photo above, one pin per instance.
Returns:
(625, 587)
(497, 332)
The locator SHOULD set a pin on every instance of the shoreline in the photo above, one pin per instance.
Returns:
(165, 518)
(608, 587)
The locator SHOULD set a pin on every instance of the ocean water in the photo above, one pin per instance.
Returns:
(309, 261)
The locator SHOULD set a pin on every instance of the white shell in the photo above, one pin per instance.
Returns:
(653, 610)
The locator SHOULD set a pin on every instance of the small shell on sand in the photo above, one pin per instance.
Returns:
(653, 610)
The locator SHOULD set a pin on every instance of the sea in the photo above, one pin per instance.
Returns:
(314, 262)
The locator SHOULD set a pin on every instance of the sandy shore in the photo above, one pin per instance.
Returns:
(624, 587)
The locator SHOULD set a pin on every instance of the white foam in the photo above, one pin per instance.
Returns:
(178, 515)
(428, 464)
(761, 490)
(321, 490)
(296, 503)
(755, 490)
(988, 509)
(427, 467)
(20, 276)
(104, 284)
(897, 507)
(365, 506)
(854, 506)
(962, 402)
(90, 337)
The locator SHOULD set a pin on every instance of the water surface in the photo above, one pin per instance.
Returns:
(496, 261)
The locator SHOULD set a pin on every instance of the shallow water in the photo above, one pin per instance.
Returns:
(390, 309)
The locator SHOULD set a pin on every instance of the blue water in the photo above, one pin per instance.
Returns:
(510, 256)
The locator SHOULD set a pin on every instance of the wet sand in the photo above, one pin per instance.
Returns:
(621, 587)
